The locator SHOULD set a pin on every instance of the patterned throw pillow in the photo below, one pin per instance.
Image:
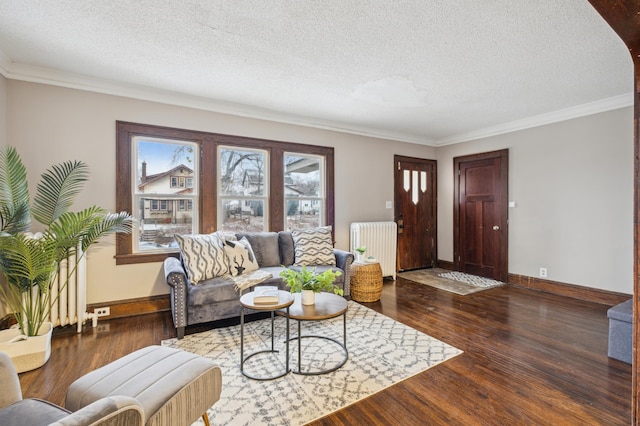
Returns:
(313, 246)
(241, 257)
(203, 256)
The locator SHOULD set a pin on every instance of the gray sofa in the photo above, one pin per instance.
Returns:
(217, 298)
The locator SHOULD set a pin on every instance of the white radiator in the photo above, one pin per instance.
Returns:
(71, 306)
(380, 238)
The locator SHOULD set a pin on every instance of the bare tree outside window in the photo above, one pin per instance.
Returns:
(242, 189)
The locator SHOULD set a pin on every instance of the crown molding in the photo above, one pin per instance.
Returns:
(5, 64)
(59, 78)
(603, 105)
(35, 74)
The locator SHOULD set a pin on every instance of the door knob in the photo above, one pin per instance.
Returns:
(496, 228)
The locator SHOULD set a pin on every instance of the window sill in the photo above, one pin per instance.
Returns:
(133, 258)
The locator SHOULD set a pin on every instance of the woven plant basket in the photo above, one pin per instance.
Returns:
(366, 282)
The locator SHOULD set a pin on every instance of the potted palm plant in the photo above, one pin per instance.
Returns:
(29, 262)
(308, 282)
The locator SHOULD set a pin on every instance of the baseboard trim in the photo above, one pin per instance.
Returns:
(147, 305)
(445, 264)
(587, 294)
(133, 307)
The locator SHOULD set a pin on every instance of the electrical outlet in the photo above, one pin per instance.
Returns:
(102, 328)
(102, 312)
(543, 272)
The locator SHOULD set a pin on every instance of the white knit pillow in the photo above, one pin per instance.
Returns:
(203, 256)
(313, 246)
(241, 257)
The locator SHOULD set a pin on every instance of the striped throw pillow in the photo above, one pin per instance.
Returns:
(203, 256)
(313, 246)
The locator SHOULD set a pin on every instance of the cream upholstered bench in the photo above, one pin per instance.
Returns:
(174, 387)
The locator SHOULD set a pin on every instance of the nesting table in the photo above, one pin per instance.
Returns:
(283, 305)
(326, 306)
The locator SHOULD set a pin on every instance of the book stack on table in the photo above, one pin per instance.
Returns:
(266, 295)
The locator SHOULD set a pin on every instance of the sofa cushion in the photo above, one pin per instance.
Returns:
(313, 246)
(265, 247)
(287, 249)
(203, 256)
(241, 257)
(212, 291)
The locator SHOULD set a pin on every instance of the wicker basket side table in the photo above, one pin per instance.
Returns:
(366, 281)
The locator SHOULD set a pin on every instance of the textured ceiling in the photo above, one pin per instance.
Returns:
(431, 72)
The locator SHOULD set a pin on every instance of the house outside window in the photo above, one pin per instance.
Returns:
(162, 169)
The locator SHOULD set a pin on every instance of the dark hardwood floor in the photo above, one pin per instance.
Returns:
(530, 358)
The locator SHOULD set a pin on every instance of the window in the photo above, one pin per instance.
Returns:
(304, 191)
(181, 182)
(186, 181)
(243, 189)
(185, 205)
(161, 169)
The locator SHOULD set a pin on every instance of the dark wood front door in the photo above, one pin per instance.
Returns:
(480, 214)
(415, 212)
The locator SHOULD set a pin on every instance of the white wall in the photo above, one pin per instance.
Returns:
(51, 124)
(572, 181)
(3, 110)
(3, 134)
(573, 187)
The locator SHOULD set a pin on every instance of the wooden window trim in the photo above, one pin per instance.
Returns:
(208, 143)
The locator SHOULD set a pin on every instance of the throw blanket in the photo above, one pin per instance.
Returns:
(244, 281)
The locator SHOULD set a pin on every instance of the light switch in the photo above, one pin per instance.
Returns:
(512, 203)
(389, 204)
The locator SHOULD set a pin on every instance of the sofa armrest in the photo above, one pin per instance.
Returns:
(344, 259)
(177, 279)
(107, 411)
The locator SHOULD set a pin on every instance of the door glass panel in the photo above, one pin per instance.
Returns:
(407, 180)
(423, 181)
(414, 187)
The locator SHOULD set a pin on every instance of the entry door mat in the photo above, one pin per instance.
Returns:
(454, 282)
(382, 352)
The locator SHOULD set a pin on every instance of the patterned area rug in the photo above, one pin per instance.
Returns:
(382, 352)
(454, 282)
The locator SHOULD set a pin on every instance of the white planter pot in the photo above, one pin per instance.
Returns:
(308, 297)
(27, 353)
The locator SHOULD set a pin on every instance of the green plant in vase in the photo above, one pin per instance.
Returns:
(29, 262)
(361, 251)
(308, 282)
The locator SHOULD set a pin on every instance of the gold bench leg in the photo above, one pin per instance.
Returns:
(206, 419)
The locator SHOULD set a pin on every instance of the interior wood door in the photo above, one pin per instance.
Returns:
(415, 212)
(480, 214)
